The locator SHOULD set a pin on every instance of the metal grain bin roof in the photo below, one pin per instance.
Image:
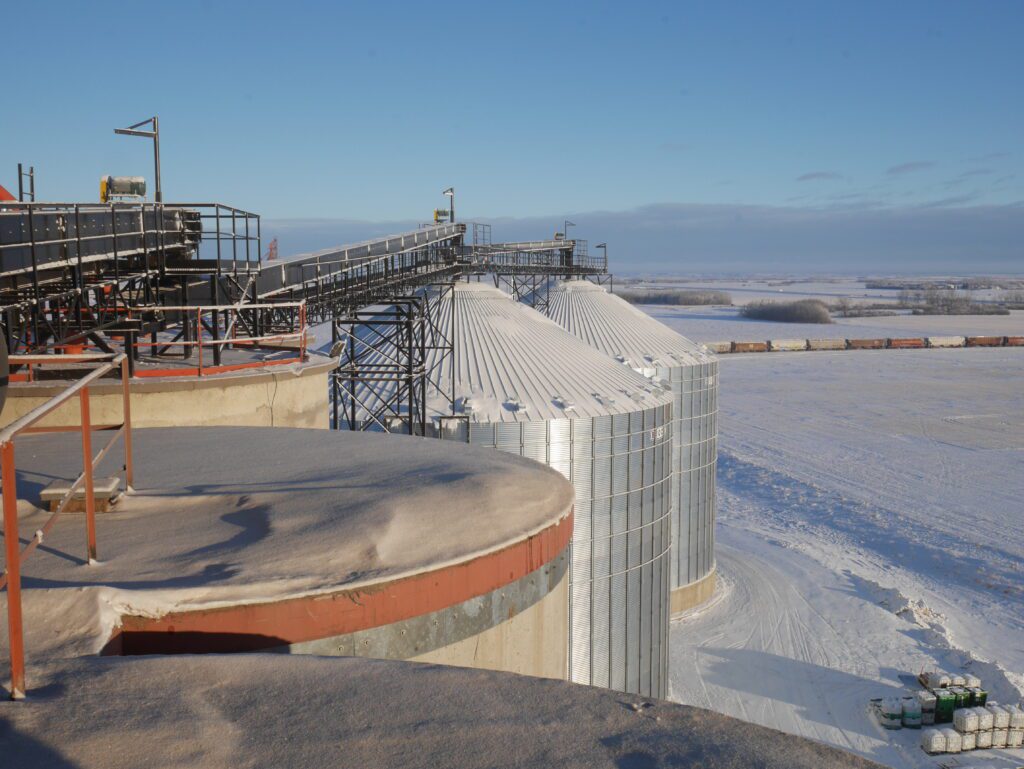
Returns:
(512, 364)
(617, 328)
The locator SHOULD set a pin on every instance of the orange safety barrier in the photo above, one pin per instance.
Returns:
(11, 578)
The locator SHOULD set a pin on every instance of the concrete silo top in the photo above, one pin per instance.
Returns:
(617, 328)
(287, 712)
(226, 519)
(512, 364)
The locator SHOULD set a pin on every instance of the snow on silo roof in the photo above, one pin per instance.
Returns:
(615, 327)
(512, 364)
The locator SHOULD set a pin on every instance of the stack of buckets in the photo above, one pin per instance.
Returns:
(977, 723)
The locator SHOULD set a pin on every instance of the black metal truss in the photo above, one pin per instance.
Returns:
(70, 272)
(390, 359)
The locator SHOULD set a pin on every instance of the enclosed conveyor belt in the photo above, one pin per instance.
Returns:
(298, 273)
(44, 238)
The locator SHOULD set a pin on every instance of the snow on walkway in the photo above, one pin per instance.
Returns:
(870, 524)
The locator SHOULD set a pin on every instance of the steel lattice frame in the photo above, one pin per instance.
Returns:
(389, 358)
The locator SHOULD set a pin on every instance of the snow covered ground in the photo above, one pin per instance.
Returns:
(717, 324)
(871, 524)
(828, 290)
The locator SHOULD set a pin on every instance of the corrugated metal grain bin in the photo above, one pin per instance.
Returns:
(826, 344)
(865, 344)
(524, 385)
(635, 339)
(946, 341)
(750, 347)
(787, 345)
(905, 343)
(985, 341)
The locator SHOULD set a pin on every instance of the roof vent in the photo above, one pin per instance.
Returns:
(563, 403)
(513, 404)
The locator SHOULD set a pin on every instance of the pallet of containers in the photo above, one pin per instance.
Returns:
(912, 715)
(945, 704)
(890, 713)
(933, 741)
(927, 701)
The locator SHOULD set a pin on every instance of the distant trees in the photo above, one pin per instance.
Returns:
(945, 301)
(800, 311)
(682, 297)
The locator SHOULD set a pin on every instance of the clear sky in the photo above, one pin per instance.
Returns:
(531, 110)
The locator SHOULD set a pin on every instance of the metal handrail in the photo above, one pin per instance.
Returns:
(11, 578)
(193, 319)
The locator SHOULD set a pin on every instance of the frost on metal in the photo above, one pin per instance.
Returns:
(630, 336)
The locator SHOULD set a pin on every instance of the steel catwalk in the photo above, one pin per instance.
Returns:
(630, 336)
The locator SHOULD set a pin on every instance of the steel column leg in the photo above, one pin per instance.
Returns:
(90, 502)
(15, 632)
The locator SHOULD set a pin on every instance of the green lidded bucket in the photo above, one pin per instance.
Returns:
(945, 704)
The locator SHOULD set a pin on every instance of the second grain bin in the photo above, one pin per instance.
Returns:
(616, 328)
(523, 385)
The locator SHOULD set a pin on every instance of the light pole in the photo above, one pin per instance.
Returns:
(450, 192)
(132, 130)
(565, 229)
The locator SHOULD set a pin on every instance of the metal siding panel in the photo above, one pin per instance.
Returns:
(600, 668)
(617, 625)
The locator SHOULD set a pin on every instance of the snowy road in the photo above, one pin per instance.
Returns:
(870, 525)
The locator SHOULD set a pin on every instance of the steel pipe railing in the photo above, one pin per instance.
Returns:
(14, 555)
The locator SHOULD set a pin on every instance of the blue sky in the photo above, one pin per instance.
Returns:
(533, 111)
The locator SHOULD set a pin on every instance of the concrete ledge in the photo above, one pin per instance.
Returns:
(277, 396)
(688, 596)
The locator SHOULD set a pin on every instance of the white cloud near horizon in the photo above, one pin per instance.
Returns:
(669, 237)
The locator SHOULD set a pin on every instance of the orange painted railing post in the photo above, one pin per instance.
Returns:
(90, 502)
(15, 634)
(126, 397)
(199, 337)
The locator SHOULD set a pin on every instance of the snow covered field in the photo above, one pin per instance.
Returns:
(717, 324)
(870, 524)
(828, 290)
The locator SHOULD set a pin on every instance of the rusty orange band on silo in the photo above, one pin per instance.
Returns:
(339, 612)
